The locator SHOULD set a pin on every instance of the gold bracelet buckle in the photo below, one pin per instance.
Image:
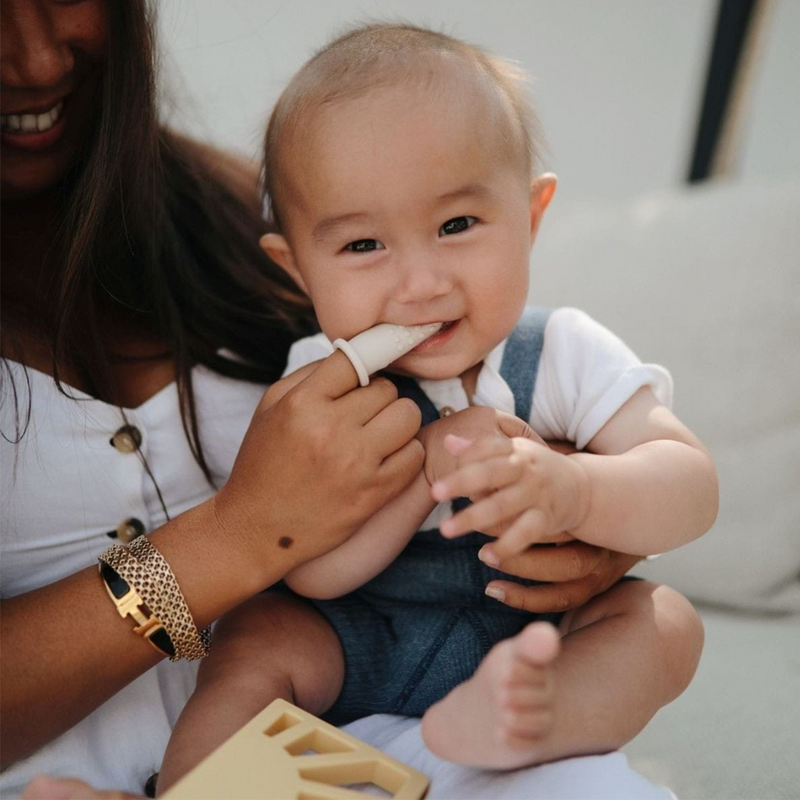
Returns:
(130, 604)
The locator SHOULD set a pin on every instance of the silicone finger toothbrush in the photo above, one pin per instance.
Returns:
(376, 348)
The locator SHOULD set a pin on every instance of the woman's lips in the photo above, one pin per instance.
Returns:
(33, 131)
(444, 335)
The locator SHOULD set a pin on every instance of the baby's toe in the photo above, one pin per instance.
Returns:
(538, 644)
(528, 726)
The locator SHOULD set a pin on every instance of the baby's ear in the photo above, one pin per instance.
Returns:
(279, 250)
(542, 190)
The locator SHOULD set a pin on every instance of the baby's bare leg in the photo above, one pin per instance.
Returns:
(623, 656)
(270, 647)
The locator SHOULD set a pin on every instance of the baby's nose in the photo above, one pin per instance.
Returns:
(419, 282)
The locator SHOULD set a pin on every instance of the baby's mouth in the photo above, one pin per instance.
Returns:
(439, 336)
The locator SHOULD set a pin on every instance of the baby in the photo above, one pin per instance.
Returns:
(400, 170)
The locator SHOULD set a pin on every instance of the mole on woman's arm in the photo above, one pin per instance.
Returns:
(285, 541)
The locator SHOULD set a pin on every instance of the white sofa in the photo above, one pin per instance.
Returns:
(707, 282)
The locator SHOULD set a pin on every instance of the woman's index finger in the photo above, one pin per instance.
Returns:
(333, 377)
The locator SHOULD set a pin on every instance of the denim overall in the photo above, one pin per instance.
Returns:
(424, 624)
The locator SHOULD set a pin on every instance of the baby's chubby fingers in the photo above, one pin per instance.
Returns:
(480, 449)
(493, 509)
(531, 527)
(470, 452)
(477, 479)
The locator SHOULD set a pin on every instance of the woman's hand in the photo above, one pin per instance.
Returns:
(572, 574)
(319, 458)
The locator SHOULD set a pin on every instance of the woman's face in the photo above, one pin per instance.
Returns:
(51, 61)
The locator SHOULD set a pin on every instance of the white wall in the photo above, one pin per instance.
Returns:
(617, 82)
(771, 141)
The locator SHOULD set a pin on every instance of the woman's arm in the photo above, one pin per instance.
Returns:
(309, 472)
(66, 650)
(370, 550)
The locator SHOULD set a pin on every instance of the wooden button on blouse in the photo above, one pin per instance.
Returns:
(446, 411)
(127, 439)
(127, 531)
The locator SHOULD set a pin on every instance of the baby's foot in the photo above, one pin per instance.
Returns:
(499, 718)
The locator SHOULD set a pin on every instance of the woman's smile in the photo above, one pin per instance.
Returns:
(33, 129)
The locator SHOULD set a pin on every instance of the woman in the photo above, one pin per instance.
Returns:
(140, 326)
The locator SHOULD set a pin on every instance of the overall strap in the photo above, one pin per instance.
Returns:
(520, 362)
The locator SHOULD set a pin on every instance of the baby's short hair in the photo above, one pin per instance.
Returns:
(385, 54)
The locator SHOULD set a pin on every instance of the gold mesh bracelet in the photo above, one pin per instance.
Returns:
(159, 589)
(119, 571)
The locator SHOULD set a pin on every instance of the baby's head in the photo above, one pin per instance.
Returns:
(399, 168)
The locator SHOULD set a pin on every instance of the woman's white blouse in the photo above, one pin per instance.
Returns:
(65, 486)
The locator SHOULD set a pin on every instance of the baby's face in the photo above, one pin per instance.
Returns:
(404, 211)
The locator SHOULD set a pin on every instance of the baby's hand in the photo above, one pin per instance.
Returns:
(532, 492)
(471, 424)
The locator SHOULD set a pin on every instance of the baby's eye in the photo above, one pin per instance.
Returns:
(364, 246)
(457, 225)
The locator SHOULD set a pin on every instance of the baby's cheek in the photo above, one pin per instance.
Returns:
(343, 314)
(500, 312)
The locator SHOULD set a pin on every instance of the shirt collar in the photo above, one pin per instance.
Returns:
(490, 390)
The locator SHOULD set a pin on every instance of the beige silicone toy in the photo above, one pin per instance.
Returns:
(288, 754)
(376, 348)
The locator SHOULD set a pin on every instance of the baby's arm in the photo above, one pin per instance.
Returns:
(379, 542)
(653, 484)
(648, 485)
(370, 550)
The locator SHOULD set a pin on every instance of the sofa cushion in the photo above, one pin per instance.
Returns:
(707, 282)
(734, 732)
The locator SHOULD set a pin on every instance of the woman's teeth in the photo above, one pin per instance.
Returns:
(31, 123)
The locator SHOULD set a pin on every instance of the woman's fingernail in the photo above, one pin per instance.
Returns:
(496, 593)
(488, 557)
(439, 490)
(446, 527)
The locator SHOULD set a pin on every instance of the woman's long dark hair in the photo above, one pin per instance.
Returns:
(158, 227)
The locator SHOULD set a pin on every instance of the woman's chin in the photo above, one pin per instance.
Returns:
(26, 177)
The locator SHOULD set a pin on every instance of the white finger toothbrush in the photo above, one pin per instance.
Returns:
(376, 348)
